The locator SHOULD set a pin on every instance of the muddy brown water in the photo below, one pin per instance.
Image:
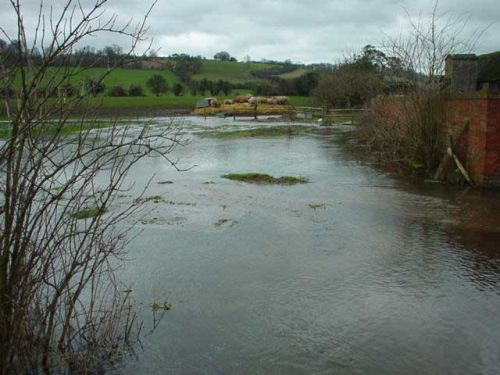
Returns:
(356, 272)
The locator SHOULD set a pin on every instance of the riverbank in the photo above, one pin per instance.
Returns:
(154, 106)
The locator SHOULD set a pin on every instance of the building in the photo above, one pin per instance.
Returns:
(207, 102)
(473, 114)
(466, 73)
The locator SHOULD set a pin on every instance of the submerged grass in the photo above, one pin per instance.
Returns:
(274, 131)
(51, 130)
(153, 199)
(265, 179)
(88, 213)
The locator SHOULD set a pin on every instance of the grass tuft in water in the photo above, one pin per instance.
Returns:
(274, 131)
(153, 198)
(155, 306)
(265, 179)
(88, 213)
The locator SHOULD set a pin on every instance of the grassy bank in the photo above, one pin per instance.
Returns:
(159, 105)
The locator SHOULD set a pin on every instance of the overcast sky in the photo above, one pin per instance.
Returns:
(300, 30)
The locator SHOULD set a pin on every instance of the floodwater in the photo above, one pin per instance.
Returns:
(356, 272)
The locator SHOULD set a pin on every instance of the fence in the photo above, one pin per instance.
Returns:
(328, 116)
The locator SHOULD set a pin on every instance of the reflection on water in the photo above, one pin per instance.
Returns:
(381, 276)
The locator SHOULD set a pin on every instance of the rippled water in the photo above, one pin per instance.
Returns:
(384, 277)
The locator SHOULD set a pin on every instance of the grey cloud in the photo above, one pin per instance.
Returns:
(305, 31)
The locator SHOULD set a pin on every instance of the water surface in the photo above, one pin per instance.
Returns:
(382, 276)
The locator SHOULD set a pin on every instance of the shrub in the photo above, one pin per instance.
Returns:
(177, 89)
(117, 91)
(94, 87)
(135, 90)
(407, 130)
(157, 84)
(47, 92)
(67, 90)
(8, 92)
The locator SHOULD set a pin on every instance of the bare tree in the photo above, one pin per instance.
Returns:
(61, 308)
(424, 47)
(410, 128)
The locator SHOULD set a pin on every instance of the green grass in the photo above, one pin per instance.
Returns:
(274, 131)
(122, 77)
(229, 70)
(294, 73)
(146, 104)
(265, 179)
(301, 101)
(88, 213)
(49, 130)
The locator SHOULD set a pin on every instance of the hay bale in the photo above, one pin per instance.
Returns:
(252, 100)
(228, 102)
(242, 98)
(261, 100)
(282, 100)
(272, 100)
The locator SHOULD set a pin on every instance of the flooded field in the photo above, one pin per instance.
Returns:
(354, 272)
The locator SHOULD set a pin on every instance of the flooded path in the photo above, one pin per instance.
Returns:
(355, 272)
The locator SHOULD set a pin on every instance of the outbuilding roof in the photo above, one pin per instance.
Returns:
(489, 67)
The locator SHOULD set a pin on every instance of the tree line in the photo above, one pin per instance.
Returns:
(351, 82)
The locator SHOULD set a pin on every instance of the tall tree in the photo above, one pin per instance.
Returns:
(157, 84)
(177, 89)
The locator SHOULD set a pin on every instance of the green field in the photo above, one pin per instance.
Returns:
(229, 70)
(213, 70)
(237, 71)
(122, 77)
(149, 105)
(294, 73)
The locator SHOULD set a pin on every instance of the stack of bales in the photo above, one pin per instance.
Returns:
(278, 100)
(254, 100)
(242, 99)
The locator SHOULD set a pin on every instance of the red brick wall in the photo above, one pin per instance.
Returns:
(492, 162)
(479, 147)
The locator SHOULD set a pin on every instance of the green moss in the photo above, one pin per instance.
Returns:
(265, 179)
(274, 131)
(88, 213)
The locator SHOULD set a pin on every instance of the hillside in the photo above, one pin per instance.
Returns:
(234, 72)
(229, 70)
